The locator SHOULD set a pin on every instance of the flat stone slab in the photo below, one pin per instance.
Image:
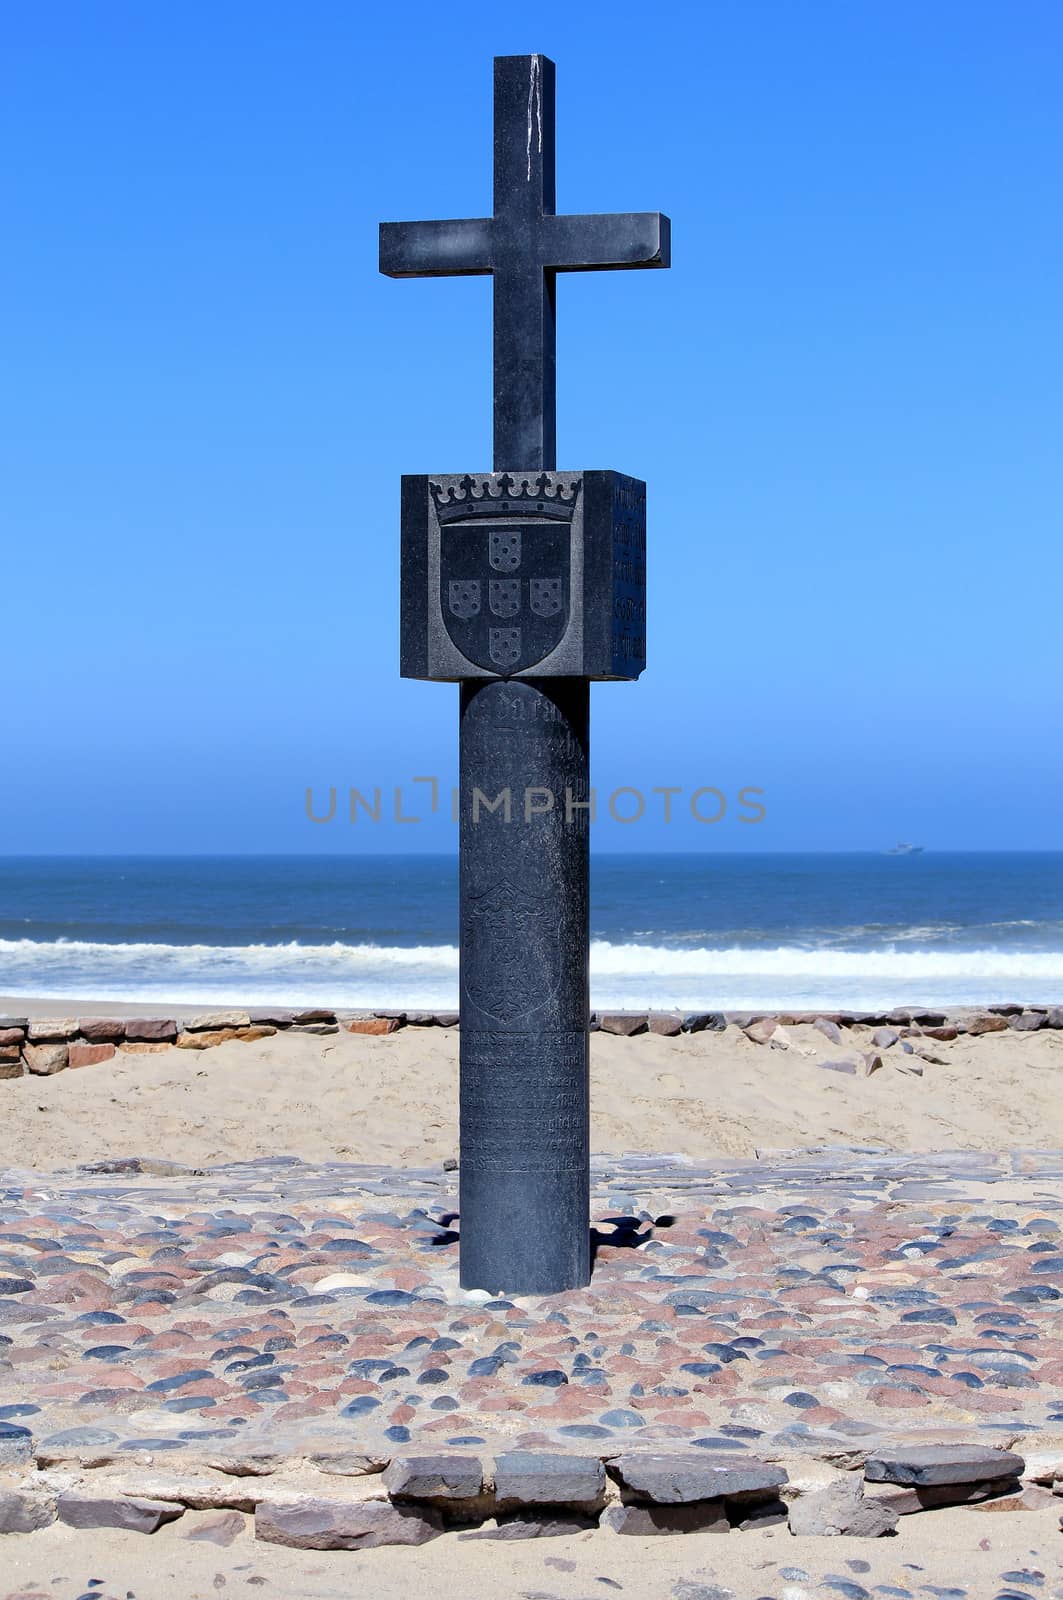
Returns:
(529, 1478)
(676, 1478)
(132, 1514)
(438, 1477)
(308, 1523)
(937, 1464)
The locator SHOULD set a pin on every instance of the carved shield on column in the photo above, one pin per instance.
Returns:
(516, 969)
(505, 590)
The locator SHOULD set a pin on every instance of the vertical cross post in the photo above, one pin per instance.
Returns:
(524, 319)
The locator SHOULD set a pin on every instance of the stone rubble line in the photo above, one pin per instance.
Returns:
(43, 1046)
(409, 1499)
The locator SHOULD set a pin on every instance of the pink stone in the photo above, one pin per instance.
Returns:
(892, 1398)
(88, 1055)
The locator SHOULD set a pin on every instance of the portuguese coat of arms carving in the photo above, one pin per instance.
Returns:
(505, 568)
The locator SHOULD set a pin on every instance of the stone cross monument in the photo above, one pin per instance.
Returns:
(523, 585)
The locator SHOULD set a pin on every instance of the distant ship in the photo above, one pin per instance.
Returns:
(902, 849)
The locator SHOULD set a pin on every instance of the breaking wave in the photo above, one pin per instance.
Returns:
(622, 974)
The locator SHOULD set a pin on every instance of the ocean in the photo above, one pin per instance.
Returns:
(709, 931)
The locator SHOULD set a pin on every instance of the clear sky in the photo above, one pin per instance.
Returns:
(845, 397)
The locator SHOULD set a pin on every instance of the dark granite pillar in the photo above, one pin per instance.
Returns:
(538, 579)
(525, 1114)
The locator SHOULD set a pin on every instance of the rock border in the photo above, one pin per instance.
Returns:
(408, 1499)
(45, 1045)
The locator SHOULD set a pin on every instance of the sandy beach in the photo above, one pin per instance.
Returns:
(394, 1100)
(184, 1560)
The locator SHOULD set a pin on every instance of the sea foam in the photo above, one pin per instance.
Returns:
(622, 974)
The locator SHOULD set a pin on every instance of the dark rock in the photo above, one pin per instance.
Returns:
(829, 1030)
(129, 1512)
(437, 1477)
(525, 1478)
(1028, 1021)
(1054, 1017)
(704, 1516)
(679, 1478)
(308, 1523)
(532, 1525)
(759, 1514)
(884, 1038)
(704, 1022)
(906, 1499)
(313, 1014)
(936, 1464)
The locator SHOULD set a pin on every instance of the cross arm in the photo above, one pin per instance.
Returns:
(595, 243)
(435, 249)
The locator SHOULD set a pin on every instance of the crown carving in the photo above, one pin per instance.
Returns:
(473, 498)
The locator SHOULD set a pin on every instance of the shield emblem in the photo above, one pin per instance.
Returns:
(503, 596)
(506, 623)
(545, 596)
(464, 597)
(504, 646)
(504, 549)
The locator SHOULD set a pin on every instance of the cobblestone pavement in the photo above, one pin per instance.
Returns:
(799, 1305)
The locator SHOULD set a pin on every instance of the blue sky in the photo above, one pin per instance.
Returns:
(845, 397)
